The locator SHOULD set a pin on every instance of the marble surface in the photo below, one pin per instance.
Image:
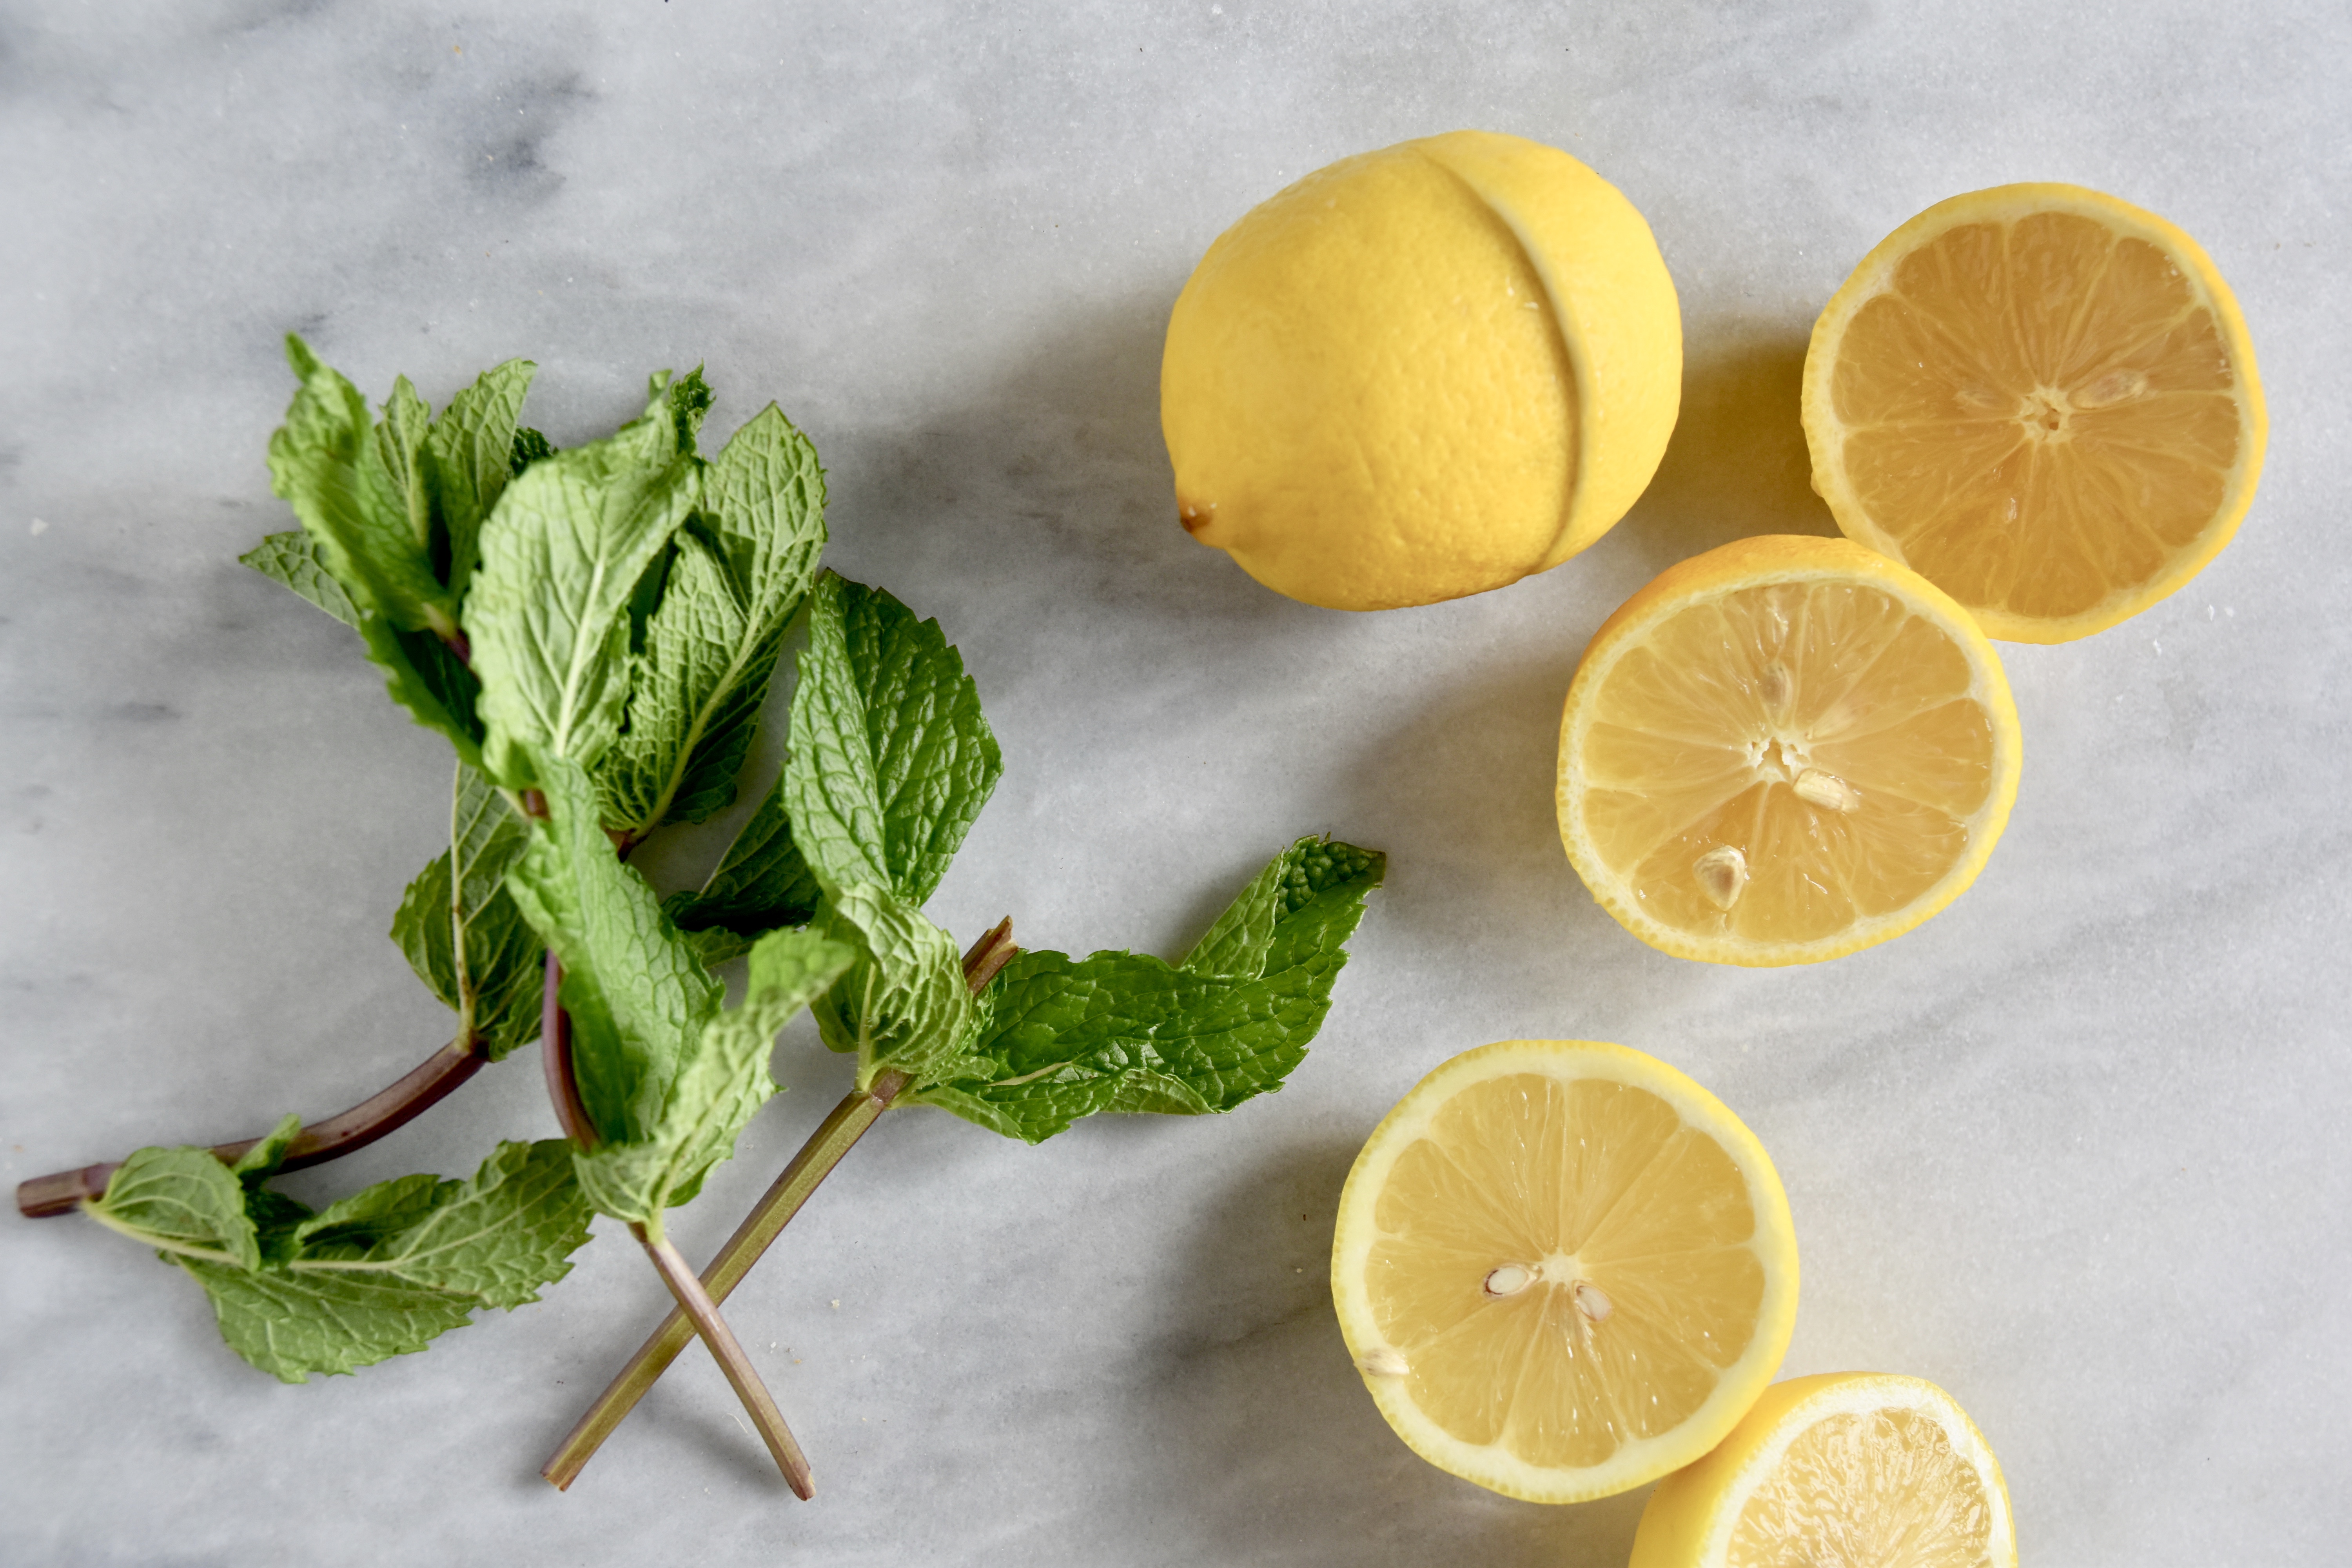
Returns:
(2073, 1150)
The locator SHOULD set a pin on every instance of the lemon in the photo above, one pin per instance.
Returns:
(2044, 400)
(1784, 749)
(1850, 1470)
(1421, 372)
(1563, 1269)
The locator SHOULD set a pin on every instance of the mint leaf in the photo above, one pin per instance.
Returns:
(722, 1085)
(530, 446)
(469, 456)
(548, 611)
(903, 1005)
(742, 568)
(183, 1202)
(496, 1238)
(291, 1325)
(761, 883)
(384, 1271)
(1065, 1038)
(329, 463)
(461, 931)
(638, 992)
(400, 450)
(694, 694)
(292, 558)
(890, 758)
(426, 676)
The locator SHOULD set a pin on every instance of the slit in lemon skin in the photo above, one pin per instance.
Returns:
(2042, 398)
(1420, 373)
(1783, 750)
(1563, 1269)
(1837, 1470)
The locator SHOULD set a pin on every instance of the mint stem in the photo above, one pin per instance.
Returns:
(387, 1111)
(834, 1138)
(695, 1303)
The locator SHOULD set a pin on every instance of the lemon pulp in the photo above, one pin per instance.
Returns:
(1631, 1229)
(1820, 729)
(1874, 1489)
(1784, 749)
(1563, 1267)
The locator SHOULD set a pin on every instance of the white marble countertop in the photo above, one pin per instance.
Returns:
(2073, 1150)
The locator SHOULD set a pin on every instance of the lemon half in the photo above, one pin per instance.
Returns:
(1783, 750)
(1563, 1269)
(1843, 1470)
(2044, 400)
(1421, 372)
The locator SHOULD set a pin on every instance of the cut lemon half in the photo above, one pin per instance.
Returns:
(1784, 749)
(1849, 1469)
(1563, 1269)
(2044, 400)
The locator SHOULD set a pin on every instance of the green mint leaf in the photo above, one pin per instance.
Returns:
(461, 931)
(469, 455)
(383, 1272)
(496, 1238)
(761, 883)
(261, 1163)
(720, 1088)
(890, 758)
(742, 569)
(292, 1324)
(904, 1004)
(547, 610)
(329, 463)
(183, 1202)
(426, 676)
(528, 447)
(1063, 1038)
(292, 559)
(693, 695)
(637, 990)
(400, 452)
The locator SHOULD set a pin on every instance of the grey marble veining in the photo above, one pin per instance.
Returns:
(2073, 1149)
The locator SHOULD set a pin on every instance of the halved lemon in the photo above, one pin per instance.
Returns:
(1784, 749)
(1563, 1269)
(2044, 400)
(1848, 1470)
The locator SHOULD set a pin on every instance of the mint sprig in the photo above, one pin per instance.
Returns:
(595, 630)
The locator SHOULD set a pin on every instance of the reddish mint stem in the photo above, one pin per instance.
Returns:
(62, 1191)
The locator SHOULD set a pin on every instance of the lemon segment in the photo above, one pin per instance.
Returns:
(1840, 1470)
(1420, 373)
(2042, 399)
(1563, 1269)
(1783, 750)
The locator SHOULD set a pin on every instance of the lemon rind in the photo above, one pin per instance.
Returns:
(1673, 1534)
(1872, 277)
(1715, 572)
(1646, 1459)
(1604, 300)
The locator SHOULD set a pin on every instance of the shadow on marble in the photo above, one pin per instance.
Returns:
(1259, 1434)
(1052, 472)
(1738, 464)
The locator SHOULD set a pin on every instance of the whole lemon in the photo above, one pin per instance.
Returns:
(1421, 372)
